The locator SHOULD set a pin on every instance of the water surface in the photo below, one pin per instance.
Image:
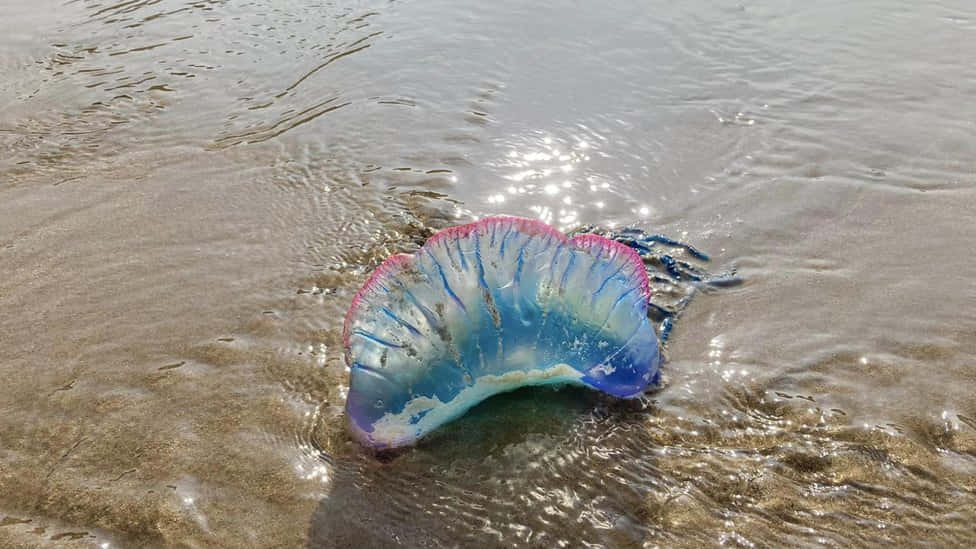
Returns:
(191, 193)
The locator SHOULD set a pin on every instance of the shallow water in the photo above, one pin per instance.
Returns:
(191, 192)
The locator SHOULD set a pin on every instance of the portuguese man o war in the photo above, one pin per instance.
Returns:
(489, 307)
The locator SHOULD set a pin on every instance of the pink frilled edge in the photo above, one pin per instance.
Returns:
(591, 243)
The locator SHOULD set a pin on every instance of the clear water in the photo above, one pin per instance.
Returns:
(191, 192)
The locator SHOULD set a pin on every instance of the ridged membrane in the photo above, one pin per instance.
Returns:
(489, 307)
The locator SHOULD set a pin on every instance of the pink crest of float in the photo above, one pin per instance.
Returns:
(589, 242)
(397, 263)
(532, 227)
(392, 265)
(614, 249)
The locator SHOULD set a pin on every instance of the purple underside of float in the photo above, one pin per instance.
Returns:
(490, 307)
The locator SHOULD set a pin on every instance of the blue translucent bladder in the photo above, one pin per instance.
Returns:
(489, 307)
